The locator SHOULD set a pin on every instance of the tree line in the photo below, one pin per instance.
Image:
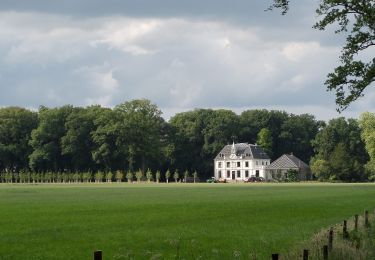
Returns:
(133, 137)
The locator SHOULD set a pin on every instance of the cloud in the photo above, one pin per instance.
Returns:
(180, 60)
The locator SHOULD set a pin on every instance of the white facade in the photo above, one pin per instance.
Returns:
(241, 163)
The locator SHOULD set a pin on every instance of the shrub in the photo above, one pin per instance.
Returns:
(291, 176)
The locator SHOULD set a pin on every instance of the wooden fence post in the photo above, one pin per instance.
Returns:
(275, 256)
(330, 239)
(367, 224)
(345, 233)
(325, 252)
(98, 255)
(305, 254)
(356, 222)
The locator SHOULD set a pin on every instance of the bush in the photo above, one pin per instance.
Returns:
(292, 176)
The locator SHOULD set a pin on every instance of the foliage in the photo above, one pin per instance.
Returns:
(119, 176)
(176, 175)
(46, 139)
(109, 176)
(195, 176)
(149, 175)
(265, 140)
(129, 176)
(99, 176)
(157, 176)
(292, 176)
(16, 125)
(320, 169)
(340, 145)
(367, 124)
(356, 19)
(186, 175)
(139, 175)
(167, 175)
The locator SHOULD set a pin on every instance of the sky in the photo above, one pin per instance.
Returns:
(179, 54)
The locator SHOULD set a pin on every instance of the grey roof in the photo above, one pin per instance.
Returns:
(248, 151)
(287, 161)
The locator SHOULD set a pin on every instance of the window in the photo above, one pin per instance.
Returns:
(246, 174)
(238, 164)
(246, 164)
(256, 162)
(219, 164)
(238, 174)
(228, 174)
(262, 163)
(228, 164)
(219, 174)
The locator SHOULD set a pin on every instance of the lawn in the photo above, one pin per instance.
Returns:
(160, 221)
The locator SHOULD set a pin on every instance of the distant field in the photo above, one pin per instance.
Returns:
(158, 221)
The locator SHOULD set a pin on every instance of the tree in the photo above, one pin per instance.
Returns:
(339, 143)
(139, 175)
(139, 124)
(195, 175)
(129, 176)
(167, 175)
(176, 175)
(77, 141)
(357, 71)
(157, 176)
(106, 152)
(99, 176)
(367, 124)
(149, 175)
(119, 176)
(186, 175)
(46, 140)
(265, 140)
(109, 176)
(16, 125)
(320, 168)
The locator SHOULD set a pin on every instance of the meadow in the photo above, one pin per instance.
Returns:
(170, 221)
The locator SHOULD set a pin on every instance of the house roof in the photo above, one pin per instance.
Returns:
(247, 151)
(287, 161)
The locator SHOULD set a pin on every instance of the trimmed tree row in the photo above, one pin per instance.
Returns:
(97, 177)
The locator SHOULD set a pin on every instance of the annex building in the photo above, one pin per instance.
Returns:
(239, 161)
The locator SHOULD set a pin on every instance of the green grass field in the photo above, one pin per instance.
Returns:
(160, 221)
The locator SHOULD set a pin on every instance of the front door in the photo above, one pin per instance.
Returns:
(257, 173)
(233, 175)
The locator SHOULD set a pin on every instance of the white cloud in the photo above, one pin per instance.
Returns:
(179, 63)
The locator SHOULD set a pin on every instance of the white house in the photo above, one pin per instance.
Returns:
(237, 162)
